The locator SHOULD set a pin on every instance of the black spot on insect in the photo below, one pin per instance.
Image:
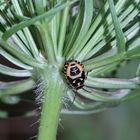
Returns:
(72, 64)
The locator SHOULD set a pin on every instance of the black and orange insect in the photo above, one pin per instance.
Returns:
(75, 74)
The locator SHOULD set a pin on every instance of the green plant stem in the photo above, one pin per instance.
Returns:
(53, 94)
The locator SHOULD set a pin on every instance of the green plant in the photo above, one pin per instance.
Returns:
(39, 35)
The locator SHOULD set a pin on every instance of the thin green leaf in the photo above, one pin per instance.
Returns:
(76, 27)
(112, 83)
(14, 72)
(133, 51)
(21, 18)
(88, 14)
(31, 7)
(101, 71)
(133, 43)
(17, 41)
(63, 28)
(105, 32)
(103, 96)
(132, 95)
(47, 41)
(119, 33)
(94, 25)
(20, 36)
(129, 34)
(138, 71)
(82, 112)
(2, 3)
(93, 64)
(15, 87)
(20, 55)
(14, 60)
(29, 22)
(31, 43)
(39, 7)
(83, 104)
(26, 31)
(55, 23)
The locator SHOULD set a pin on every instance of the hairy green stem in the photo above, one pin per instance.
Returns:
(51, 106)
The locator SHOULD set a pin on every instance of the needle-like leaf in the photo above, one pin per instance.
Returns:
(15, 87)
(29, 22)
(112, 83)
(14, 72)
(88, 14)
(20, 55)
(119, 33)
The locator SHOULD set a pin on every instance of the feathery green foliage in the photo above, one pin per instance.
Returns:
(39, 36)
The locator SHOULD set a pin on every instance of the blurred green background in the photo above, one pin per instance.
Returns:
(119, 123)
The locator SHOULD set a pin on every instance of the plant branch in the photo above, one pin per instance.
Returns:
(53, 93)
